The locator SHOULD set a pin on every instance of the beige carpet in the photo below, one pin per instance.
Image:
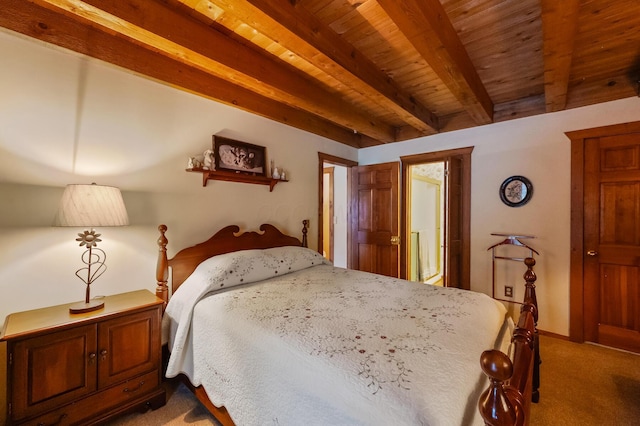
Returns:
(581, 385)
(182, 409)
(586, 384)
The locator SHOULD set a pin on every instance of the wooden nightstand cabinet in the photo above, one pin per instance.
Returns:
(84, 368)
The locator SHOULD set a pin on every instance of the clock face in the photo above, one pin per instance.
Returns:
(516, 191)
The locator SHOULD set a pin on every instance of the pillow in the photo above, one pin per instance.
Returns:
(246, 266)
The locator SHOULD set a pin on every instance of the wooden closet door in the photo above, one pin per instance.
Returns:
(612, 241)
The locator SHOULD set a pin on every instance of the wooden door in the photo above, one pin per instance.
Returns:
(128, 346)
(453, 223)
(375, 227)
(612, 240)
(52, 370)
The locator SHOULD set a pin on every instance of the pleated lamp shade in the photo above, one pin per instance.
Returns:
(91, 205)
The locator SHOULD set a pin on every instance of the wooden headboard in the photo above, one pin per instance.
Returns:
(226, 240)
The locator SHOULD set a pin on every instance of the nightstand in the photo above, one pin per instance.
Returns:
(67, 368)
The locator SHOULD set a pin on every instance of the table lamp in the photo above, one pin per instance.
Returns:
(91, 206)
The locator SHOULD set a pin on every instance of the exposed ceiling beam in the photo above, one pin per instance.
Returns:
(50, 27)
(559, 27)
(425, 24)
(156, 27)
(299, 31)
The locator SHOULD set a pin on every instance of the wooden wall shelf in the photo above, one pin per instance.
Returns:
(208, 175)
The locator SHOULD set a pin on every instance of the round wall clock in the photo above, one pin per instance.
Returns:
(516, 191)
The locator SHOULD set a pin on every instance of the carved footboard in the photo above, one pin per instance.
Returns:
(514, 382)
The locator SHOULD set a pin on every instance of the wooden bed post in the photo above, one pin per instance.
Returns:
(162, 267)
(514, 382)
(496, 408)
(305, 227)
(531, 300)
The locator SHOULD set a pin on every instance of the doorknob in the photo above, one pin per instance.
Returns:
(395, 240)
(592, 253)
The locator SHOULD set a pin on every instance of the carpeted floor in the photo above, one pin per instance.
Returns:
(581, 385)
(182, 408)
(586, 384)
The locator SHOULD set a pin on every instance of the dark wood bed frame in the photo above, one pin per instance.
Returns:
(514, 380)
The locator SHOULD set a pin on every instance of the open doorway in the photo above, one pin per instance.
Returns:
(334, 214)
(333, 235)
(425, 217)
(423, 175)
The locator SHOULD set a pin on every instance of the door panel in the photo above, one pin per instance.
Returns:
(66, 361)
(375, 207)
(128, 346)
(612, 241)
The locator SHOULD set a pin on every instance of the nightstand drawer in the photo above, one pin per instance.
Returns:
(124, 394)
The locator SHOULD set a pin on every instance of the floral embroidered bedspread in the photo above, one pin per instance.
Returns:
(280, 337)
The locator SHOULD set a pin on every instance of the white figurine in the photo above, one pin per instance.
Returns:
(276, 173)
(208, 159)
(190, 164)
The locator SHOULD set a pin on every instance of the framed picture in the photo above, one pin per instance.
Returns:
(239, 157)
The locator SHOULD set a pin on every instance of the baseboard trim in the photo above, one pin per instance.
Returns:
(554, 335)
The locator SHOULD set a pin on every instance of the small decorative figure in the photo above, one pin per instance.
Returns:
(276, 173)
(208, 159)
(190, 164)
(283, 176)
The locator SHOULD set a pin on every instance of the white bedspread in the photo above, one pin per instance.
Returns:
(319, 345)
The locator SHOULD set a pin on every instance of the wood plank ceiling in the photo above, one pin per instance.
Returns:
(361, 72)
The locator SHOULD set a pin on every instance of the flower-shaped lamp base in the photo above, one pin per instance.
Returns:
(94, 258)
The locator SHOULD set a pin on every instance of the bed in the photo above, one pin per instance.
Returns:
(266, 331)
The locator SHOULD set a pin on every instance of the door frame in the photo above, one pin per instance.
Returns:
(576, 270)
(332, 159)
(464, 154)
(328, 171)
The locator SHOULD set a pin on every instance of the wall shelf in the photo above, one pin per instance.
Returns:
(208, 175)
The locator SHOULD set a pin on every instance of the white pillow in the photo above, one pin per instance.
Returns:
(246, 266)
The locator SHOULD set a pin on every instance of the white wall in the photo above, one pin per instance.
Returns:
(535, 147)
(68, 119)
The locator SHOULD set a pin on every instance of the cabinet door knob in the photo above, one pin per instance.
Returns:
(103, 354)
(592, 253)
(92, 357)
